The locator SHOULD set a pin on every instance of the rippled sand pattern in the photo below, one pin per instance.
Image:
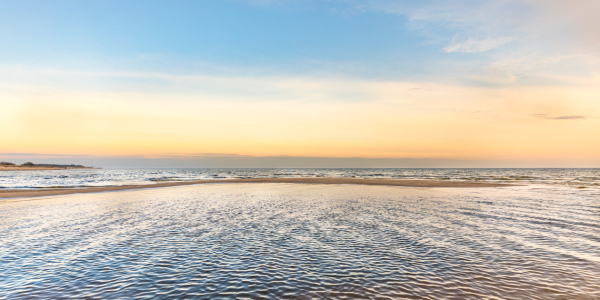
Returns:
(303, 241)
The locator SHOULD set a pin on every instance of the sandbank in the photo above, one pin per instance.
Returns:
(321, 180)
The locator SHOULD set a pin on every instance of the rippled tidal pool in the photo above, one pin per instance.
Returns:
(303, 241)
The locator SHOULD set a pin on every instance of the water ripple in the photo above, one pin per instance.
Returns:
(274, 241)
(587, 179)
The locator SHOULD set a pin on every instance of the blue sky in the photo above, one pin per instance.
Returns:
(426, 40)
(213, 36)
(489, 81)
(371, 39)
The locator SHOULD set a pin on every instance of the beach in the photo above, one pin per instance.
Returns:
(271, 149)
(302, 240)
(358, 181)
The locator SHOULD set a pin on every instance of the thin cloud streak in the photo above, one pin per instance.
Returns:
(568, 117)
(475, 46)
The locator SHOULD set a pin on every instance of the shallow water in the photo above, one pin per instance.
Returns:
(303, 241)
(577, 178)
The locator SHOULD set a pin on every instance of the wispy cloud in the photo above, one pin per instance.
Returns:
(534, 18)
(580, 16)
(478, 45)
(540, 32)
(566, 117)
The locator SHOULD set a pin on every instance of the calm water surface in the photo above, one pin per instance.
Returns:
(302, 241)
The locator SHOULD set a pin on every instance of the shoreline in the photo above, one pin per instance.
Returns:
(303, 180)
(43, 168)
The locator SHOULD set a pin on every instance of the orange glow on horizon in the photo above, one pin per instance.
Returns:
(445, 122)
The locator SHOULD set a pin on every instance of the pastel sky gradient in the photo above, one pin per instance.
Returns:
(272, 83)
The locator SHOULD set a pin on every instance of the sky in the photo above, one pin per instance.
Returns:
(301, 83)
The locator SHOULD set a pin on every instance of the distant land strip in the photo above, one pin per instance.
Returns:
(317, 180)
(28, 166)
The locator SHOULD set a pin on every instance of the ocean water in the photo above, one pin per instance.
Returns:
(577, 178)
(308, 241)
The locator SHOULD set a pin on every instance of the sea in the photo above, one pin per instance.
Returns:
(536, 239)
(82, 178)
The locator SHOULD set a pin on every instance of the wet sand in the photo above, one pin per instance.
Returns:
(389, 182)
